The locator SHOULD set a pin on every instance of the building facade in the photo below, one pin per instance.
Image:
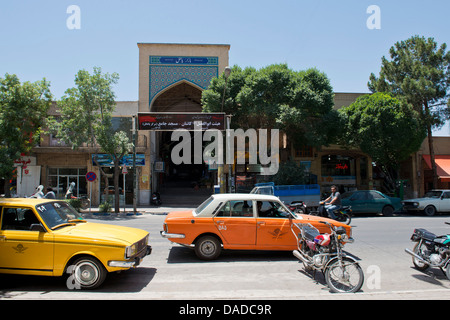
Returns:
(171, 79)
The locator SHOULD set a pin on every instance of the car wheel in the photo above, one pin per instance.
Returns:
(86, 273)
(430, 211)
(387, 211)
(208, 248)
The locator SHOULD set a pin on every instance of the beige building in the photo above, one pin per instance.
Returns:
(171, 79)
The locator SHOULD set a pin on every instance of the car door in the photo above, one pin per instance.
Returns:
(444, 203)
(21, 249)
(375, 202)
(358, 202)
(273, 226)
(236, 223)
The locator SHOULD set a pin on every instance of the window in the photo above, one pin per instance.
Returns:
(337, 165)
(18, 219)
(59, 180)
(359, 196)
(375, 195)
(236, 208)
(304, 152)
(269, 209)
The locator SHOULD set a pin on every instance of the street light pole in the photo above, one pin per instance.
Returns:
(133, 130)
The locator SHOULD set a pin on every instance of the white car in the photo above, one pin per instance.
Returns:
(432, 202)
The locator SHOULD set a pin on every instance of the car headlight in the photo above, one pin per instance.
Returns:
(130, 251)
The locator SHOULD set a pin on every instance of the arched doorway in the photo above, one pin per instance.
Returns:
(182, 184)
(180, 97)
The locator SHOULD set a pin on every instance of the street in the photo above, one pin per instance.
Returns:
(174, 272)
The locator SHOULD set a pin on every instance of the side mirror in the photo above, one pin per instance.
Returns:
(37, 227)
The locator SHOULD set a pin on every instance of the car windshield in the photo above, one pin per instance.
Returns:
(433, 194)
(347, 194)
(58, 214)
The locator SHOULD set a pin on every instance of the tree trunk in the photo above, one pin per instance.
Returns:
(432, 158)
(116, 185)
(431, 147)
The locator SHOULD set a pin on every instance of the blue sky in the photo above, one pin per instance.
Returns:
(329, 35)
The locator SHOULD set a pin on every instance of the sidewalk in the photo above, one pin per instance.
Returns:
(140, 210)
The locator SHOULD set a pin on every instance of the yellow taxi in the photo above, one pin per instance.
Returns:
(50, 238)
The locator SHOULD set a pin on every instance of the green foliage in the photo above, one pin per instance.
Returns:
(420, 72)
(86, 117)
(298, 102)
(23, 106)
(85, 109)
(75, 203)
(386, 128)
(105, 207)
(290, 173)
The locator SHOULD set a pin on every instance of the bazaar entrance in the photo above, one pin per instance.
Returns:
(191, 182)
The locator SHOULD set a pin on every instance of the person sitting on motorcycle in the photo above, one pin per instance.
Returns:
(333, 202)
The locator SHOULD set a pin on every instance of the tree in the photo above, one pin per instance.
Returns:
(418, 71)
(298, 102)
(23, 108)
(386, 128)
(86, 117)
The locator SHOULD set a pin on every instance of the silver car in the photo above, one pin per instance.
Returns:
(433, 201)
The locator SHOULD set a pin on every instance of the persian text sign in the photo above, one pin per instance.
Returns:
(167, 121)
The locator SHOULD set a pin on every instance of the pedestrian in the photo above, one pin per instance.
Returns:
(50, 194)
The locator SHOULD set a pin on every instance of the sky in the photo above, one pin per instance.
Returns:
(343, 38)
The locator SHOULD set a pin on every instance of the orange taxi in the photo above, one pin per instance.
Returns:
(238, 221)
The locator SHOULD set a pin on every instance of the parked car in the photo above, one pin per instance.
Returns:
(50, 238)
(371, 201)
(239, 222)
(432, 202)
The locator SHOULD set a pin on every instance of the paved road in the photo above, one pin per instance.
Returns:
(174, 272)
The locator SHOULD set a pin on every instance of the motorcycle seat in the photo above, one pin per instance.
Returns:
(425, 234)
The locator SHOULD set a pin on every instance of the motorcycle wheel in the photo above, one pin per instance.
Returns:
(346, 279)
(417, 263)
(345, 218)
(447, 272)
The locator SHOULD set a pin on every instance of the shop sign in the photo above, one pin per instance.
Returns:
(168, 121)
(339, 180)
(105, 160)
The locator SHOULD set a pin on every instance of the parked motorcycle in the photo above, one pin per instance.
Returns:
(344, 214)
(430, 250)
(298, 207)
(323, 252)
(155, 199)
(38, 194)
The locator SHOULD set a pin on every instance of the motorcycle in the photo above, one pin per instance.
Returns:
(155, 199)
(298, 207)
(344, 214)
(38, 194)
(323, 252)
(430, 251)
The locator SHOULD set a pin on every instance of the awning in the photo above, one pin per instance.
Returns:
(442, 166)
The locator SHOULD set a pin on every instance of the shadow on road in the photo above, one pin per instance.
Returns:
(187, 255)
(133, 280)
